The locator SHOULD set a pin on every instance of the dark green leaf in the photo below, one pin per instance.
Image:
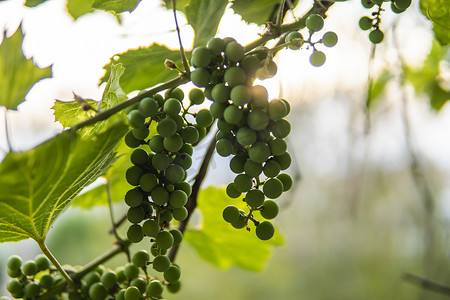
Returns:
(34, 3)
(259, 11)
(144, 67)
(438, 11)
(17, 74)
(38, 184)
(222, 245)
(116, 6)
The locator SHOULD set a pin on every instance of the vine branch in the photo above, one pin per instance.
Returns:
(183, 54)
(427, 284)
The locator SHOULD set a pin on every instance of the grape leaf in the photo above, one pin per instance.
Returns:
(17, 74)
(77, 8)
(38, 184)
(34, 3)
(113, 93)
(144, 67)
(222, 245)
(438, 11)
(259, 11)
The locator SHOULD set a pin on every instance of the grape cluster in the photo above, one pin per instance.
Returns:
(294, 40)
(33, 279)
(251, 128)
(372, 23)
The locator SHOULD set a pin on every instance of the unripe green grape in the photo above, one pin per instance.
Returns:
(185, 187)
(173, 287)
(31, 290)
(378, 2)
(259, 152)
(131, 141)
(286, 180)
(156, 143)
(395, 9)
(216, 45)
(135, 214)
(330, 39)
(172, 106)
(258, 119)
(161, 263)
(259, 96)
(160, 161)
(277, 146)
(240, 223)
(277, 109)
(265, 230)
(131, 271)
(235, 76)
(155, 288)
(190, 134)
(173, 143)
(233, 115)
(232, 192)
(224, 126)
(217, 109)
(29, 268)
(46, 281)
(159, 98)
(91, 278)
(271, 168)
(365, 23)
(367, 3)
(14, 273)
(237, 164)
(250, 64)
(269, 209)
(234, 51)
(220, 93)
(180, 214)
(139, 157)
(175, 173)
(281, 128)
(164, 240)
(317, 58)
(246, 136)
(177, 236)
(241, 95)
(150, 228)
(42, 262)
(165, 217)
(120, 271)
(121, 295)
(140, 133)
(196, 96)
(203, 118)
(140, 283)
(172, 274)
(254, 198)
(314, 22)
(184, 160)
(97, 291)
(201, 57)
(230, 214)
(268, 69)
(132, 293)
(133, 175)
(376, 36)
(148, 107)
(14, 262)
(140, 258)
(109, 279)
(224, 147)
(134, 233)
(273, 188)
(200, 77)
(147, 207)
(15, 288)
(252, 168)
(160, 196)
(284, 160)
(135, 119)
(178, 198)
(166, 127)
(261, 52)
(179, 121)
(243, 183)
(148, 182)
(176, 93)
(188, 149)
(298, 37)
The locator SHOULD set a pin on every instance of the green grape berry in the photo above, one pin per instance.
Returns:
(139, 157)
(295, 39)
(286, 180)
(140, 133)
(134, 233)
(277, 109)
(243, 183)
(164, 240)
(15, 288)
(176, 93)
(317, 58)
(173, 143)
(271, 168)
(203, 118)
(237, 164)
(155, 288)
(330, 39)
(259, 152)
(273, 188)
(190, 134)
(259, 96)
(196, 96)
(140, 258)
(376, 36)
(156, 143)
(265, 230)
(257, 119)
(234, 76)
(284, 160)
(46, 281)
(133, 175)
(231, 214)
(281, 128)
(172, 106)
(277, 146)
(233, 115)
(254, 198)
(148, 107)
(246, 136)
(367, 3)
(14, 262)
(216, 45)
(150, 228)
(175, 173)
(132, 293)
(201, 56)
(200, 77)
(131, 271)
(42, 262)
(180, 213)
(232, 192)
(97, 291)
(140, 283)
(252, 168)
(135, 119)
(108, 279)
(241, 95)
(135, 214)
(365, 23)
(160, 196)
(31, 290)
(161, 263)
(177, 236)
(172, 274)
(224, 147)
(269, 209)
(29, 268)
(178, 198)
(314, 22)
(166, 127)
(234, 51)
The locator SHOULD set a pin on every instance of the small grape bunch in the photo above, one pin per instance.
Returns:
(372, 23)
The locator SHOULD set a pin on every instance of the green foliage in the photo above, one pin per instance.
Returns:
(258, 11)
(78, 8)
(144, 67)
(38, 184)
(33, 3)
(222, 245)
(438, 11)
(113, 93)
(377, 88)
(17, 74)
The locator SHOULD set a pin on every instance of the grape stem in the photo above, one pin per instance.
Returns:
(183, 54)
(192, 201)
(427, 284)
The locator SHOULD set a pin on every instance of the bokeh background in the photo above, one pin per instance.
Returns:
(359, 217)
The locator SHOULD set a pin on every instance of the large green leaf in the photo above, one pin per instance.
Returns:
(438, 11)
(222, 245)
(38, 184)
(113, 93)
(259, 11)
(144, 67)
(17, 74)
(77, 8)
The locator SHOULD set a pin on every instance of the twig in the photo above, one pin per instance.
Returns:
(280, 14)
(192, 201)
(183, 54)
(427, 284)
